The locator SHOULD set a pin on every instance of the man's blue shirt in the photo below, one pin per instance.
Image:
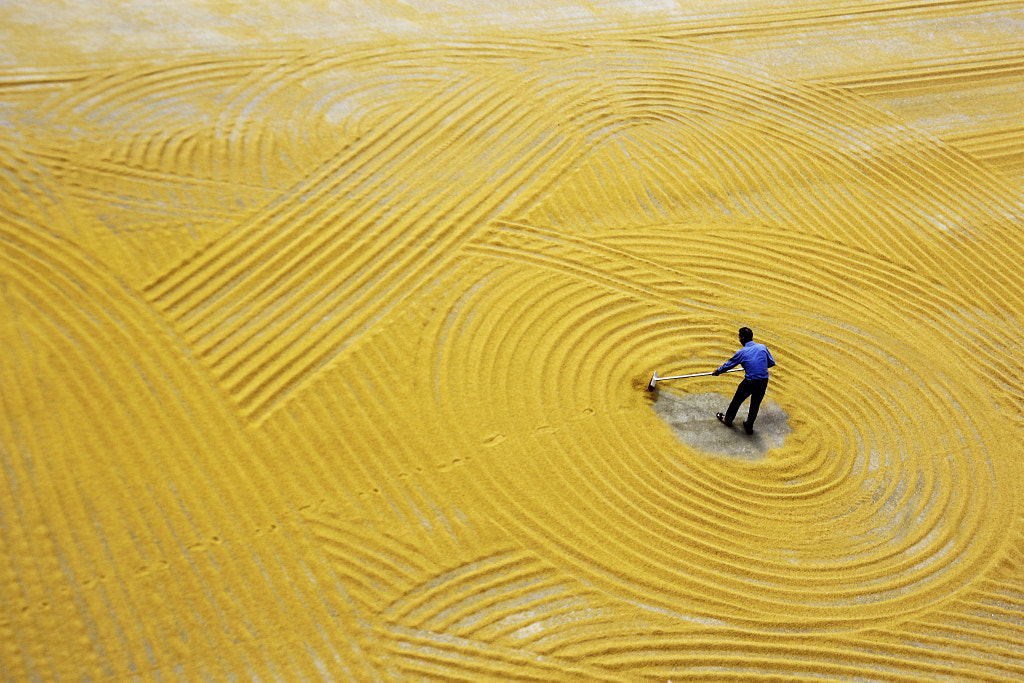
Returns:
(755, 359)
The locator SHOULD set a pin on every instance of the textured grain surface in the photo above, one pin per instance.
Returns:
(326, 332)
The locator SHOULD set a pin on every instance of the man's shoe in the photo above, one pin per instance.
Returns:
(748, 428)
(721, 418)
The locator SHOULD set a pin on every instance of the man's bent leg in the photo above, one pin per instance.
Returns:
(757, 389)
(742, 392)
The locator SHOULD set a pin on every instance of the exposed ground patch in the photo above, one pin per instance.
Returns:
(692, 418)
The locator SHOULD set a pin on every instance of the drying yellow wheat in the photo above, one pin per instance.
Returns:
(330, 360)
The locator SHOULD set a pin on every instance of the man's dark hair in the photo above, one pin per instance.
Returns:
(746, 333)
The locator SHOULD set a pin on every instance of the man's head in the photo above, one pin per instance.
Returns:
(746, 335)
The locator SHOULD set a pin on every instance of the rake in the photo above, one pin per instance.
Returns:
(654, 380)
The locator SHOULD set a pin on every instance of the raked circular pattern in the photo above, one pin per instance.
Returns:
(885, 499)
(892, 491)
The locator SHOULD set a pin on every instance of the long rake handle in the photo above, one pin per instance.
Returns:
(700, 374)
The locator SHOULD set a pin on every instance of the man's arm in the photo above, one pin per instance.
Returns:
(771, 361)
(731, 363)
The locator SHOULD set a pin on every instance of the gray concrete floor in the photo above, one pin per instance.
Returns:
(692, 418)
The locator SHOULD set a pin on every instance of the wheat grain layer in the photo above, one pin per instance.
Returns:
(326, 341)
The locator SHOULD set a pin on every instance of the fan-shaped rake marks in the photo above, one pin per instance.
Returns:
(127, 200)
(374, 573)
(31, 87)
(193, 519)
(358, 74)
(560, 616)
(994, 614)
(732, 654)
(282, 77)
(250, 375)
(1001, 148)
(916, 648)
(987, 643)
(451, 597)
(628, 272)
(167, 118)
(312, 196)
(817, 123)
(653, 262)
(381, 144)
(115, 97)
(977, 68)
(135, 220)
(234, 100)
(487, 599)
(425, 654)
(340, 414)
(838, 268)
(370, 79)
(667, 98)
(30, 195)
(385, 568)
(78, 502)
(746, 24)
(320, 261)
(32, 604)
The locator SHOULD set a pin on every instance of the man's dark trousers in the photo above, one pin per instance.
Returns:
(754, 388)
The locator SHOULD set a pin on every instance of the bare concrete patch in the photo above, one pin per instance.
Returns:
(692, 418)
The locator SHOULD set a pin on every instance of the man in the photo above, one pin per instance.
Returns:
(755, 359)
